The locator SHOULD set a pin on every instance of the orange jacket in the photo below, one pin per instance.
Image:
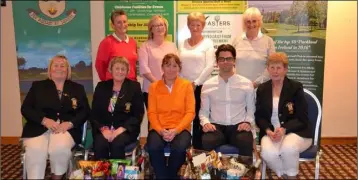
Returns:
(171, 110)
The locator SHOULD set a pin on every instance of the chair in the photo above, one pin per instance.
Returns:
(130, 150)
(76, 150)
(313, 153)
(228, 150)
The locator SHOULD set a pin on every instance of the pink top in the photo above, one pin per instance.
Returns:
(150, 57)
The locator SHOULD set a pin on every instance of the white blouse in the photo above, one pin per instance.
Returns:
(251, 56)
(197, 61)
(274, 117)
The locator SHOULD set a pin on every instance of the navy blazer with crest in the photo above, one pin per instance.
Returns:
(42, 100)
(129, 109)
(292, 108)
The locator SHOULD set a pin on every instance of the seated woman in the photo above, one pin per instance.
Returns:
(281, 115)
(117, 112)
(55, 110)
(171, 109)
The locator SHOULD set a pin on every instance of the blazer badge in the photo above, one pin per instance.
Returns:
(74, 103)
(289, 106)
(128, 107)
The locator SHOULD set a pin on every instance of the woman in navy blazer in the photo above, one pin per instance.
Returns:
(55, 110)
(117, 112)
(281, 115)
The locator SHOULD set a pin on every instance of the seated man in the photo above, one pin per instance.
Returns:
(227, 106)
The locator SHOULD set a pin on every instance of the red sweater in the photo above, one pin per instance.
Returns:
(111, 47)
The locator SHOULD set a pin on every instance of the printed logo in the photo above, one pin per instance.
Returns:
(216, 22)
(51, 10)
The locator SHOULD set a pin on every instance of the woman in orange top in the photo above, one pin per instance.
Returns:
(171, 109)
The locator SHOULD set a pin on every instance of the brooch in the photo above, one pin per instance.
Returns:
(289, 106)
(128, 107)
(74, 103)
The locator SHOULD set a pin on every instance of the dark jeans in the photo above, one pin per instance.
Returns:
(197, 129)
(178, 145)
(243, 140)
(111, 150)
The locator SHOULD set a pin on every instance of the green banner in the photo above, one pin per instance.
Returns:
(298, 29)
(46, 28)
(139, 14)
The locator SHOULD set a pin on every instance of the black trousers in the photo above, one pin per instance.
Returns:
(229, 135)
(145, 97)
(197, 129)
(178, 146)
(111, 150)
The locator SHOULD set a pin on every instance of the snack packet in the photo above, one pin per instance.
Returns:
(114, 165)
(121, 170)
(95, 169)
(131, 172)
(87, 167)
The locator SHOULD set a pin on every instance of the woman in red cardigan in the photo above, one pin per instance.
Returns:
(117, 44)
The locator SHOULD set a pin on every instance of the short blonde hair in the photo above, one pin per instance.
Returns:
(196, 16)
(151, 22)
(278, 57)
(251, 13)
(67, 63)
(120, 60)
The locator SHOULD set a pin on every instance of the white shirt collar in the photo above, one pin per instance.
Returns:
(229, 80)
(115, 36)
(170, 88)
(259, 35)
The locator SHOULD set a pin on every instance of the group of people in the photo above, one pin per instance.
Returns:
(180, 97)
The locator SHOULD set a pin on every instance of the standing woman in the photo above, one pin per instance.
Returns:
(151, 53)
(197, 56)
(117, 44)
(253, 48)
(55, 110)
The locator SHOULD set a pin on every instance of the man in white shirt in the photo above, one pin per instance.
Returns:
(227, 106)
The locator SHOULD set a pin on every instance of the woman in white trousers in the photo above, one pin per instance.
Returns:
(55, 110)
(282, 116)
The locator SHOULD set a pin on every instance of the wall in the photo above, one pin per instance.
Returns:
(340, 81)
(11, 124)
(340, 77)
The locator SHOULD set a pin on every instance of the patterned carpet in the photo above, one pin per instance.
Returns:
(337, 162)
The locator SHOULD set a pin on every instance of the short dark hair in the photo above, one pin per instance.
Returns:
(225, 47)
(170, 56)
(117, 12)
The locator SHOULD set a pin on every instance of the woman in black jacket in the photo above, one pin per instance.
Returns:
(55, 110)
(117, 112)
(281, 115)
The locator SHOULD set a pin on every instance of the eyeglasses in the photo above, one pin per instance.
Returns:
(228, 59)
(158, 26)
